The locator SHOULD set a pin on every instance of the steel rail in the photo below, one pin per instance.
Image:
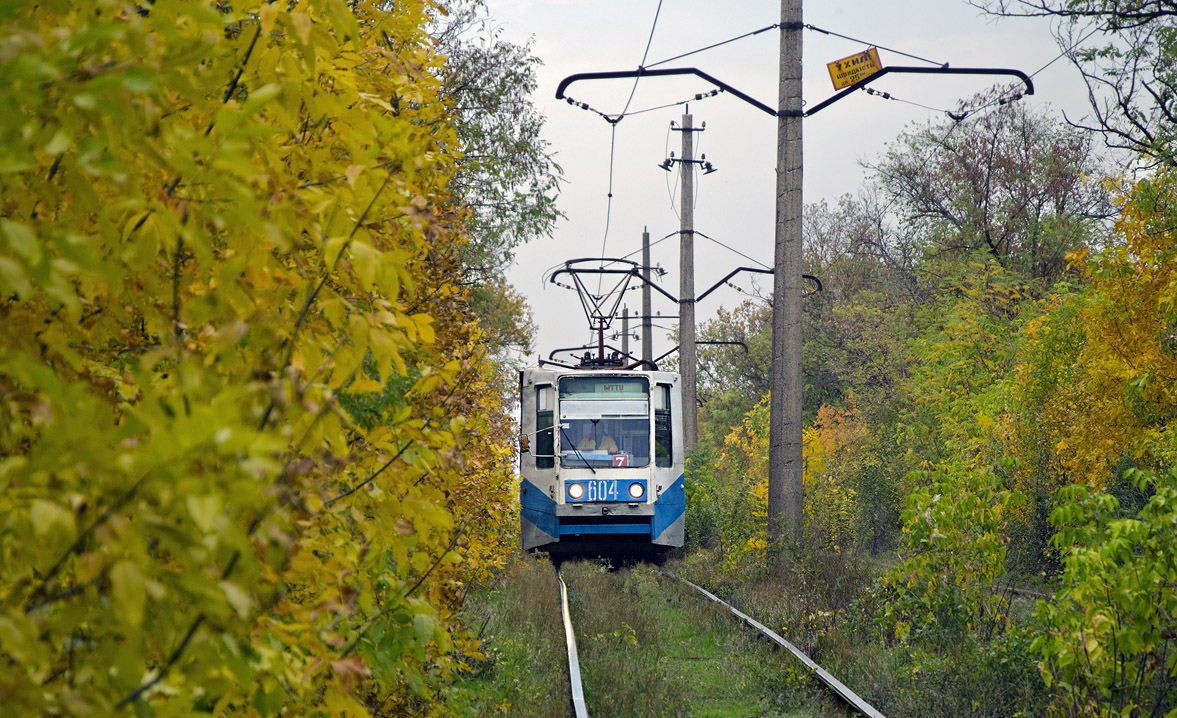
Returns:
(835, 685)
(578, 705)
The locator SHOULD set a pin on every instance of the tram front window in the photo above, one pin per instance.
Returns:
(604, 422)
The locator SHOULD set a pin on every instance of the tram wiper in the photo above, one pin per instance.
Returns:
(573, 445)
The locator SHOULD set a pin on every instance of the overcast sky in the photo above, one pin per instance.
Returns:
(735, 204)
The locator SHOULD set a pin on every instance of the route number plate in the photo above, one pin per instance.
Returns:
(602, 490)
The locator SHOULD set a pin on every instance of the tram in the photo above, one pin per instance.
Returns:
(601, 455)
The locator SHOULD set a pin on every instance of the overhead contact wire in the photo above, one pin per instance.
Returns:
(642, 64)
(613, 135)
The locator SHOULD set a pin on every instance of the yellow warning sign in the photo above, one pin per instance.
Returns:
(849, 70)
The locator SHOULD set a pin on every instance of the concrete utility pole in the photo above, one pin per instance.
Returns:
(647, 320)
(686, 287)
(785, 467)
(625, 332)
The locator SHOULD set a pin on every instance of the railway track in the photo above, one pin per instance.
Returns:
(580, 706)
(579, 709)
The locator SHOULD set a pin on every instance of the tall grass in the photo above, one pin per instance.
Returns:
(828, 605)
(649, 646)
(525, 670)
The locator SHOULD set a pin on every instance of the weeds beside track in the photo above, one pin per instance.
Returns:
(647, 648)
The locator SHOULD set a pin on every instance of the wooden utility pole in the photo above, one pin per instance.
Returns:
(647, 307)
(785, 467)
(686, 286)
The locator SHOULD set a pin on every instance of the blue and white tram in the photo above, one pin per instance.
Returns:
(601, 461)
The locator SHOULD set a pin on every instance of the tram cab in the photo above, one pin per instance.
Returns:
(601, 461)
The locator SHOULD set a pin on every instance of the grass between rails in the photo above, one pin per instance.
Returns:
(649, 646)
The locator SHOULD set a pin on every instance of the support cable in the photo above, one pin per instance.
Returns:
(1014, 96)
(1066, 52)
(675, 233)
(775, 26)
(712, 47)
(889, 96)
(872, 44)
(699, 96)
(732, 249)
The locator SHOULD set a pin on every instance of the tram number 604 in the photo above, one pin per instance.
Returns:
(602, 491)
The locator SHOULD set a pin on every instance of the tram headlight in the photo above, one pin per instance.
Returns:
(636, 490)
(576, 491)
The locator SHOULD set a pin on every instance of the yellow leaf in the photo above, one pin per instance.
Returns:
(365, 385)
(424, 324)
(205, 510)
(239, 599)
(47, 516)
(341, 704)
(128, 593)
(352, 172)
(302, 26)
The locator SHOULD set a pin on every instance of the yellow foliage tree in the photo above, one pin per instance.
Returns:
(1100, 367)
(828, 449)
(238, 392)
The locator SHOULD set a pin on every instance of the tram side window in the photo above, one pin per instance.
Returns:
(663, 428)
(545, 446)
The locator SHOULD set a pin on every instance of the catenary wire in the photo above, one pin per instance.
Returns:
(645, 54)
(609, 202)
(613, 138)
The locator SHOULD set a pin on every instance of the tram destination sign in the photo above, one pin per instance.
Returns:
(849, 70)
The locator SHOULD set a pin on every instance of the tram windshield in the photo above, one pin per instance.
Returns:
(604, 421)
